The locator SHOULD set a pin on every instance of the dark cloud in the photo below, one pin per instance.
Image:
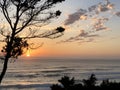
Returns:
(101, 7)
(105, 7)
(82, 37)
(86, 34)
(117, 14)
(83, 14)
(75, 16)
(94, 21)
(92, 8)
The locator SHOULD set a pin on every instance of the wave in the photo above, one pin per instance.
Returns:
(27, 87)
(52, 71)
(57, 70)
(29, 76)
(52, 75)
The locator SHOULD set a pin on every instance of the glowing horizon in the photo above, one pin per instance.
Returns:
(92, 30)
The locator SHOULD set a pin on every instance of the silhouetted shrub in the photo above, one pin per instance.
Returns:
(56, 87)
(108, 84)
(105, 83)
(90, 82)
(66, 81)
(87, 84)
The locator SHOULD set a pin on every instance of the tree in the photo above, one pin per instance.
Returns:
(91, 81)
(21, 15)
(66, 81)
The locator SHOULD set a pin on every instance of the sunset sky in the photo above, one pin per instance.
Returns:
(103, 44)
(92, 31)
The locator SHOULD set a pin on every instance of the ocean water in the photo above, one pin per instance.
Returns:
(41, 73)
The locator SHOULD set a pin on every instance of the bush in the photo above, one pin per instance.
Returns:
(90, 82)
(87, 84)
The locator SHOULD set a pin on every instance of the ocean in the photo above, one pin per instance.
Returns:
(40, 73)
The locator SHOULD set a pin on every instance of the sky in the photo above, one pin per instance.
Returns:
(92, 31)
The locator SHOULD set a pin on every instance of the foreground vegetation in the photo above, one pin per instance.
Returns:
(67, 83)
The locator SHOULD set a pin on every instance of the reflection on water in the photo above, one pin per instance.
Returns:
(36, 72)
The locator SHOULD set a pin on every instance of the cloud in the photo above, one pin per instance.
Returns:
(105, 7)
(86, 34)
(101, 7)
(87, 41)
(84, 14)
(83, 17)
(80, 14)
(92, 8)
(81, 37)
(99, 24)
(117, 14)
(94, 18)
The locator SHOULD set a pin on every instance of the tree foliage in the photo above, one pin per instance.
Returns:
(18, 46)
(24, 14)
(91, 81)
(66, 81)
(86, 84)
(21, 15)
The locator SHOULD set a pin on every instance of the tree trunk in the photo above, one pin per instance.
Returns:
(8, 51)
(4, 69)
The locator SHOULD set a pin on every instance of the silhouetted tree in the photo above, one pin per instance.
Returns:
(56, 87)
(87, 84)
(66, 81)
(91, 81)
(105, 83)
(21, 15)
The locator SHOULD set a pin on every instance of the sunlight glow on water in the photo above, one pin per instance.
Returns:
(45, 72)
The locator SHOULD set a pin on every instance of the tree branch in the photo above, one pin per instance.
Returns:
(25, 25)
(5, 12)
